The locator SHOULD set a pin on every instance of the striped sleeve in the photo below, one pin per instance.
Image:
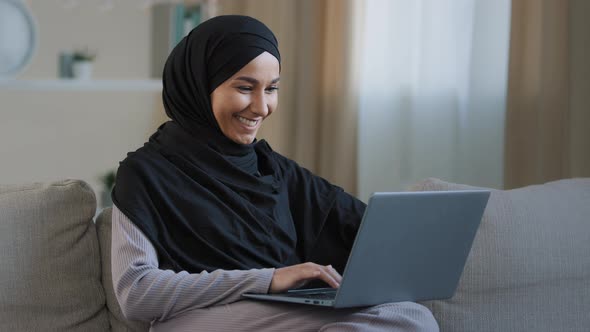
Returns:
(147, 293)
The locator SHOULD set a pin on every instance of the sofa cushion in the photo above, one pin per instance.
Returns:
(529, 267)
(118, 321)
(50, 275)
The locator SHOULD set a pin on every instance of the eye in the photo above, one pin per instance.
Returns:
(272, 89)
(245, 88)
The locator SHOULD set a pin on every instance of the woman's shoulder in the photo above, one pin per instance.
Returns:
(143, 156)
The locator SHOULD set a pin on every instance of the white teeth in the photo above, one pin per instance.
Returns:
(245, 121)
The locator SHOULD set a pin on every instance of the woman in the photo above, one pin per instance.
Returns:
(204, 212)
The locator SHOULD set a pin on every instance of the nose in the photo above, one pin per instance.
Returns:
(259, 104)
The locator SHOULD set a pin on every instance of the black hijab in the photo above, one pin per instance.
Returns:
(192, 191)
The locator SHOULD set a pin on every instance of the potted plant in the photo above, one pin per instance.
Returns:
(82, 60)
(108, 182)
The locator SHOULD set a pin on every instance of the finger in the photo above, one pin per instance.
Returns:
(325, 273)
(313, 272)
(327, 277)
(334, 273)
(308, 273)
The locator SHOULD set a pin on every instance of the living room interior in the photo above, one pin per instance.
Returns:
(376, 95)
(491, 93)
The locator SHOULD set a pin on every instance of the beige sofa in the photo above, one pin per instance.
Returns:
(529, 269)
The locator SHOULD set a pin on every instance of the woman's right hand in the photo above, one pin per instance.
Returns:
(295, 276)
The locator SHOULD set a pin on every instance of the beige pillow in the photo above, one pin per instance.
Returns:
(50, 275)
(529, 268)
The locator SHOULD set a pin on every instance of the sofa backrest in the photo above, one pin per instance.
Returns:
(50, 275)
(116, 318)
(529, 267)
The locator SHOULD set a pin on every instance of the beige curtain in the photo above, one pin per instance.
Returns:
(548, 120)
(315, 123)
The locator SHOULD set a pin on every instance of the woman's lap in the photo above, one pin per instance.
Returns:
(267, 316)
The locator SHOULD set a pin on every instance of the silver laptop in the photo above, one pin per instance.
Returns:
(411, 246)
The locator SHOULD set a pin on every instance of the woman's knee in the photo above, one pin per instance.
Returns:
(406, 316)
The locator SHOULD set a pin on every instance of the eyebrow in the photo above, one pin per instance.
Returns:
(255, 81)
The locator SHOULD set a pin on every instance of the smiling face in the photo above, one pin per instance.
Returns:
(243, 101)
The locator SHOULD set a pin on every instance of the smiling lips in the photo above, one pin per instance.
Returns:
(247, 122)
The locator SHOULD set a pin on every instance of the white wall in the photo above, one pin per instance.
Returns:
(122, 37)
(49, 135)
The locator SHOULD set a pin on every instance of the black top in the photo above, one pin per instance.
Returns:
(208, 203)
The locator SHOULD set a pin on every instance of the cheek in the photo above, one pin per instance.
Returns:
(216, 105)
(272, 104)
(224, 106)
(235, 103)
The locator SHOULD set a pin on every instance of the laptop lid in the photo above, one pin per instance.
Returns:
(411, 246)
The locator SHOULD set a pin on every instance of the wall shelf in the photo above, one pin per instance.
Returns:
(41, 85)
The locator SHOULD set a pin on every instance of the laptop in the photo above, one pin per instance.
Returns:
(410, 246)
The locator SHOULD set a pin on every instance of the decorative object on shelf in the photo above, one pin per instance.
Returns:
(108, 182)
(18, 37)
(187, 18)
(172, 21)
(65, 65)
(82, 63)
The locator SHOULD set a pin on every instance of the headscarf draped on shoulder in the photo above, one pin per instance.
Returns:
(191, 190)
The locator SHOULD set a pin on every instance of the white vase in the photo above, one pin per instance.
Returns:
(82, 70)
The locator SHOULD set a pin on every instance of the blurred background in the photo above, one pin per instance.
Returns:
(375, 94)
